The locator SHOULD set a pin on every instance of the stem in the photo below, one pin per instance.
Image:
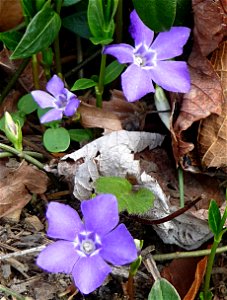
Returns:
(14, 79)
(12, 293)
(23, 155)
(35, 71)
(209, 268)
(58, 4)
(33, 154)
(181, 186)
(100, 87)
(197, 253)
(119, 22)
(130, 287)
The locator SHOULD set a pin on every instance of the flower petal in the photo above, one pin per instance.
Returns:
(89, 273)
(58, 257)
(43, 99)
(122, 52)
(136, 83)
(63, 221)
(72, 106)
(172, 76)
(139, 31)
(52, 115)
(118, 247)
(55, 85)
(170, 44)
(100, 213)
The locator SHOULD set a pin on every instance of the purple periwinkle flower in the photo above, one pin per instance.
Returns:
(150, 61)
(84, 248)
(59, 98)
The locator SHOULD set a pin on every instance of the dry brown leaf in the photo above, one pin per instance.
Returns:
(210, 20)
(199, 274)
(212, 137)
(92, 117)
(10, 14)
(176, 272)
(17, 187)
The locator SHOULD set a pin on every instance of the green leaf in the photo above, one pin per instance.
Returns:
(112, 71)
(40, 33)
(95, 17)
(133, 202)
(11, 38)
(80, 135)
(70, 2)
(214, 218)
(78, 24)
(26, 104)
(56, 139)
(82, 84)
(163, 290)
(29, 8)
(101, 20)
(158, 15)
(183, 13)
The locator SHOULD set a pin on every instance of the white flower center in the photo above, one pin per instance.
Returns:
(139, 60)
(87, 246)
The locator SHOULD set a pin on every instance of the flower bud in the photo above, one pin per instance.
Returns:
(13, 131)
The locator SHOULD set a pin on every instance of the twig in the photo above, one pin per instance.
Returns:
(22, 252)
(197, 253)
(12, 293)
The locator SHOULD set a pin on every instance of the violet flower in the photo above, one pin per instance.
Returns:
(59, 98)
(150, 61)
(84, 248)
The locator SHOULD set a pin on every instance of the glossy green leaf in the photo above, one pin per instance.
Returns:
(95, 17)
(134, 202)
(78, 24)
(40, 33)
(112, 71)
(214, 218)
(11, 39)
(26, 104)
(56, 139)
(82, 84)
(80, 135)
(29, 8)
(70, 2)
(101, 20)
(158, 15)
(183, 13)
(163, 290)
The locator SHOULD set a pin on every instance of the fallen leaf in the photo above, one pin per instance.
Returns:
(10, 14)
(212, 136)
(199, 275)
(17, 187)
(175, 274)
(210, 21)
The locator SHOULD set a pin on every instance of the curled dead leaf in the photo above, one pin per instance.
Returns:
(17, 187)
(210, 18)
(212, 136)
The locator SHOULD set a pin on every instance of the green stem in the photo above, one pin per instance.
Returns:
(23, 155)
(58, 4)
(100, 87)
(14, 79)
(119, 22)
(181, 186)
(33, 154)
(10, 292)
(209, 268)
(35, 71)
(197, 253)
